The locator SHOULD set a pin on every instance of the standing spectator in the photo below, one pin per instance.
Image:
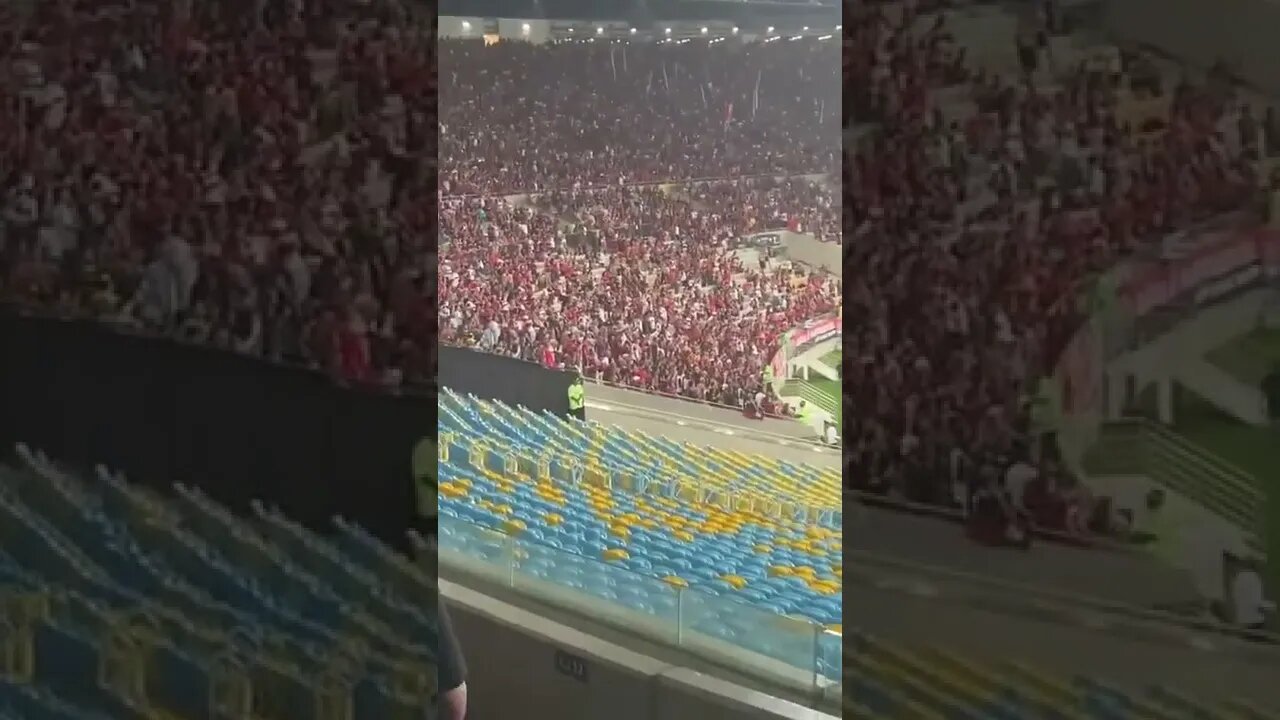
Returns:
(1248, 596)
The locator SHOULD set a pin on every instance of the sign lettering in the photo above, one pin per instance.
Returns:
(571, 665)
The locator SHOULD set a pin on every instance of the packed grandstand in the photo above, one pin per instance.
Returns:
(246, 176)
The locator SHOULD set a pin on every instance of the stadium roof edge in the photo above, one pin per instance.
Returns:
(744, 12)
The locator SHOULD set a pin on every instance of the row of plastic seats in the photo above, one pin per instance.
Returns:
(310, 595)
(24, 702)
(389, 661)
(522, 430)
(747, 562)
(304, 595)
(262, 644)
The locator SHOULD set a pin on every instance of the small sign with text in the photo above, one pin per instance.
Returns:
(571, 665)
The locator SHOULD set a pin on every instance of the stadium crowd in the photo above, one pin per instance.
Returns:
(517, 117)
(968, 238)
(797, 204)
(643, 289)
(631, 283)
(254, 175)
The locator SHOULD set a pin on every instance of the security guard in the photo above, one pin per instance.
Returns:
(424, 476)
(803, 412)
(578, 399)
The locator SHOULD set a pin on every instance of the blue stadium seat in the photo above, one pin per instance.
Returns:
(198, 611)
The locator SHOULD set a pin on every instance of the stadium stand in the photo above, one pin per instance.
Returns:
(122, 604)
(517, 117)
(247, 175)
(505, 274)
(1004, 193)
(752, 529)
(597, 510)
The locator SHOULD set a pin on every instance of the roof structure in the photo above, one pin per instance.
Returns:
(746, 13)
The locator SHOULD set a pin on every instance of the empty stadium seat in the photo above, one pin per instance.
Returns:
(121, 601)
(634, 520)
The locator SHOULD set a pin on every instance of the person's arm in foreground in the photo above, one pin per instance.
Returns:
(453, 671)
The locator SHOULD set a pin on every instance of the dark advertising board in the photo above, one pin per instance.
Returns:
(514, 382)
(238, 427)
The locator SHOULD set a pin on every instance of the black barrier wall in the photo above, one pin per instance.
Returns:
(514, 382)
(238, 427)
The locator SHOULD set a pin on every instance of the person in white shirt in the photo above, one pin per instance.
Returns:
(1016, 479)
(1249, 598)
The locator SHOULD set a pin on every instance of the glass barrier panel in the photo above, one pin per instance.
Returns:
(754, 640)
(606, 591)
(487, 553)
(793, 651)
(830, 662)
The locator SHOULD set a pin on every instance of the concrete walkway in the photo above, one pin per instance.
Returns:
(708, 426)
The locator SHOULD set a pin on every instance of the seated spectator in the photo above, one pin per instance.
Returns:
(993, 517)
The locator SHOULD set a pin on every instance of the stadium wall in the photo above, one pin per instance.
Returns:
(1239, 32)
(514, 382)
(802, 248)
(523, 665)
(797, 339)
(238, 427)
(809, 250)
(1139, 300)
